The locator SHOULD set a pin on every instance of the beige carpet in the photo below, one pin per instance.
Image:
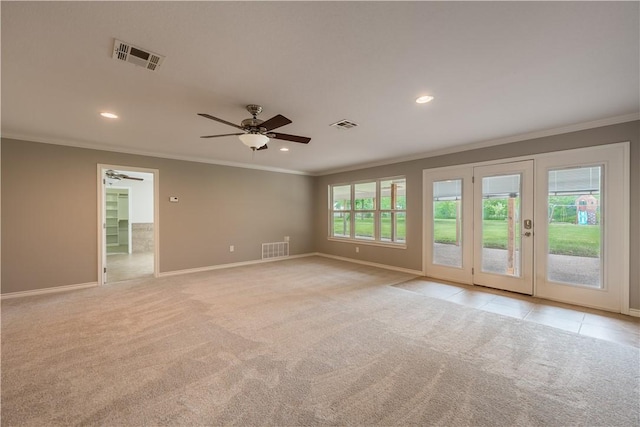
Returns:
(306, 341)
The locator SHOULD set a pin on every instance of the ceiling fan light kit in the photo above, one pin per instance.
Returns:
(253, 140)
(256, 133)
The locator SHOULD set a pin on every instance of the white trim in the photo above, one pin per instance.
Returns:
(490, 143)
(449, 150)
(625, 268)
(634, 312)
(614, 296)
(429, 176)
(523, 281)
(367, 242)
(126, 150)
(52, 290)
(230, 265)
(372, 264)
(626, 235)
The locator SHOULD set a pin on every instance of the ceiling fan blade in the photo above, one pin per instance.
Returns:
(294, 138)
(275, 122)
(209, 116)
(226, 134)
(132, 177)
(264, 147)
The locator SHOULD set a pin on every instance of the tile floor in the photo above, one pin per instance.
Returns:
(585, 321)
(129, 266)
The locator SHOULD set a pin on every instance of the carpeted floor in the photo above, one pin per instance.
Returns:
(306, 341)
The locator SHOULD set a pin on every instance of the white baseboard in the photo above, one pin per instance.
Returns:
(52, 290)
(372, 264)
(634, 312)
(231, 265)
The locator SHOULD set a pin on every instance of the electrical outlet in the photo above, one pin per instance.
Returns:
(232, 248)
(357, 249)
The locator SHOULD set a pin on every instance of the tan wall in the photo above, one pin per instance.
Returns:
(411, 258)
(49, 213)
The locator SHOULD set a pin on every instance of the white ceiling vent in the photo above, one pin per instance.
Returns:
(344, 124)
(136, 55)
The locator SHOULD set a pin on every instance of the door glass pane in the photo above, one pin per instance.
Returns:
(575, 226)
(501, 224)
(447, 223)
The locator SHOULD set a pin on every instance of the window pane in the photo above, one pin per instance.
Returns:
(392, 227)
(341, 197)
(393, 194)
(365, 225)
(365, 196)
(575, 226)
(447, 223)
(500, 224)
(341, 224)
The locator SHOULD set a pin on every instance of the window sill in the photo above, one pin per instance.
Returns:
(368, 243)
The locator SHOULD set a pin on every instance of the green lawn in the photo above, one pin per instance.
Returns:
(364, 227)
(564, 239)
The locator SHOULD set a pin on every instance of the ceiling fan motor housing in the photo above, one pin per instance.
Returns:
(249, 124)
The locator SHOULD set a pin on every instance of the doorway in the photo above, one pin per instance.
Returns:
(128, 223)
(553, 226)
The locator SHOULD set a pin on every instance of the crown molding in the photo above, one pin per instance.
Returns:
(490, 143)
(126, 150)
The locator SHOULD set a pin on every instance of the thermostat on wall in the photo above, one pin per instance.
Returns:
(173, 199)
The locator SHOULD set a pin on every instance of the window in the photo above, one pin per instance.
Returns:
(447, 223)
(369, 211)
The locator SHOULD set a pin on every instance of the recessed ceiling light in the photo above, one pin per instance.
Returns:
(284, 149)
(424, 99)
(109, 115)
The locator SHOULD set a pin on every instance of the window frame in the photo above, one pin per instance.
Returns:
(377, 213)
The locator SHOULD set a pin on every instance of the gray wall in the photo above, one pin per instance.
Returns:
(49, 213)
(411, 258)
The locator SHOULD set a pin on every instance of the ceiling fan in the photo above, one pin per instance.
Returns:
(118, 176)
(255, 132)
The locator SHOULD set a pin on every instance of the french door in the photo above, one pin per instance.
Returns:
(503, 226)
(567, 241)
(582, 255)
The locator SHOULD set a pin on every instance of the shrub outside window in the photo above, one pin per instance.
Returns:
(369, 211)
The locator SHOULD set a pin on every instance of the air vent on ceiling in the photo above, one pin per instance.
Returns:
(344, 124)
(136, 55)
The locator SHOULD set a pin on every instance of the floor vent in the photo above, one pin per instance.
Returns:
(275, 250)
(127, 52)
(343, 124)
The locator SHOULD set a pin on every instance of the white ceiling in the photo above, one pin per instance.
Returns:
(497, 70)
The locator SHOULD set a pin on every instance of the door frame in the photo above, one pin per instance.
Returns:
(461, 274)
(101, 189)
(612, 249)
(523, 283)
(625, 262)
